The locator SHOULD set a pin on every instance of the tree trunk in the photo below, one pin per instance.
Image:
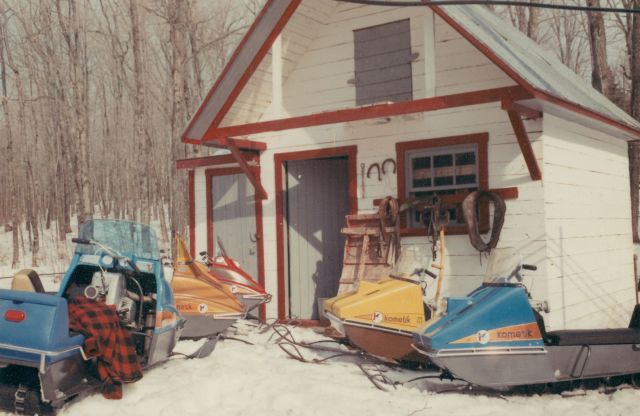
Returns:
(9, 150)
(635, 63)
(601, 75)
(32, 215)
(532, 24)
(141, 135)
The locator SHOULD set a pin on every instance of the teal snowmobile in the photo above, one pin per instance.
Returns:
(43, 364)
(494, 338)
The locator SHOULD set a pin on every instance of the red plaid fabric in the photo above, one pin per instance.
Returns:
(105, 339)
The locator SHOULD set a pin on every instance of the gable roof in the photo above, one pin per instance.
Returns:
(536, 70)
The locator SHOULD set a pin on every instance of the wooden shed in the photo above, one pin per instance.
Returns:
(318, 91)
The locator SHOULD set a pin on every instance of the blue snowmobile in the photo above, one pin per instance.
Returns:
(43, 364)
(494, 338)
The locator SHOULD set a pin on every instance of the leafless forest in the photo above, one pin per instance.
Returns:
(95, 94)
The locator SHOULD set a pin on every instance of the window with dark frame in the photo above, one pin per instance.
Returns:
(449, 167)
(440, 171)
(383, 58)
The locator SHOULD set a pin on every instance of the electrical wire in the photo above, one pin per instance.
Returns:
(566, 7)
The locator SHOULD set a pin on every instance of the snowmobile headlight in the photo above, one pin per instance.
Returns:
(106, 261)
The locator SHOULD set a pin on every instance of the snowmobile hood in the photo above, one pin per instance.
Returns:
(491, 316)
(390, 302)
(198, 290)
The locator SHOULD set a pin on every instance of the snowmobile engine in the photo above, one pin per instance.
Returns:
(113, 289)
(127, 311)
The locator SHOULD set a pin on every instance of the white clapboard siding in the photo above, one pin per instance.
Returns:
(587, 221)
(255, 98)
(318, 61)
(524, 225)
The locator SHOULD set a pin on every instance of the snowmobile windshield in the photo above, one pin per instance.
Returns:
(412, 260)
(502, 265)
(130, 239)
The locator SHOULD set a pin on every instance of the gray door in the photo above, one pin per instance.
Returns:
(317, 200)
(234, 219)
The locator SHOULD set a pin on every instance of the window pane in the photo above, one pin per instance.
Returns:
(467, 158)
(421, 162)
(443, 181)
(466, 180)
(421, 172)
(441, 171)
(440, 161)
(421, 183)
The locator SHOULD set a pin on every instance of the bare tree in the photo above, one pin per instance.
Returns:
(634, 57)
(601, 74)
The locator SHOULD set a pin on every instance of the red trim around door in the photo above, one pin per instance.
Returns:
(192, 213)
(351, 153)
(210, 173)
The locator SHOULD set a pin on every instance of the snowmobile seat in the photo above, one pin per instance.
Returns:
(595, 336)
(543, 329)
(43, 328)
(630, 335)
(27, 280)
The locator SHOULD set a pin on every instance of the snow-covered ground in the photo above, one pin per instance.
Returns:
(260, 379)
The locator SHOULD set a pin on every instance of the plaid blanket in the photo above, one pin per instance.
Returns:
(106, 340)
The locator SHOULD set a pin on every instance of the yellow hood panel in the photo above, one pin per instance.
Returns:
(390, 303)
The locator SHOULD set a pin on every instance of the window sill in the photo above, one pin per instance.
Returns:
(422, 232)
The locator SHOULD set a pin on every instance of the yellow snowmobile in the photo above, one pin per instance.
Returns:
(380, 317)
(208, 305)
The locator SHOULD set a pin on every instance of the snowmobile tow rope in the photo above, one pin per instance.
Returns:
(372, 366)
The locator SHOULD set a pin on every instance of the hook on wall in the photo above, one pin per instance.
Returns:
(389, 160)
(377, 166)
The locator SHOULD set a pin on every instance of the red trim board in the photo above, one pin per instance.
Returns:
(201, 162)
(373, 111)
(192, 213)
(226, 69)
(260, 54)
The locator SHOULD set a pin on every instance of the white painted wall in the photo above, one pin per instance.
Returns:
(588, 227)
(320, 80)
(524, 225)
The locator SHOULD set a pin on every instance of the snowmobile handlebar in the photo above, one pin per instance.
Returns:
(530, 267)
(418, 272)
(124, 259)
